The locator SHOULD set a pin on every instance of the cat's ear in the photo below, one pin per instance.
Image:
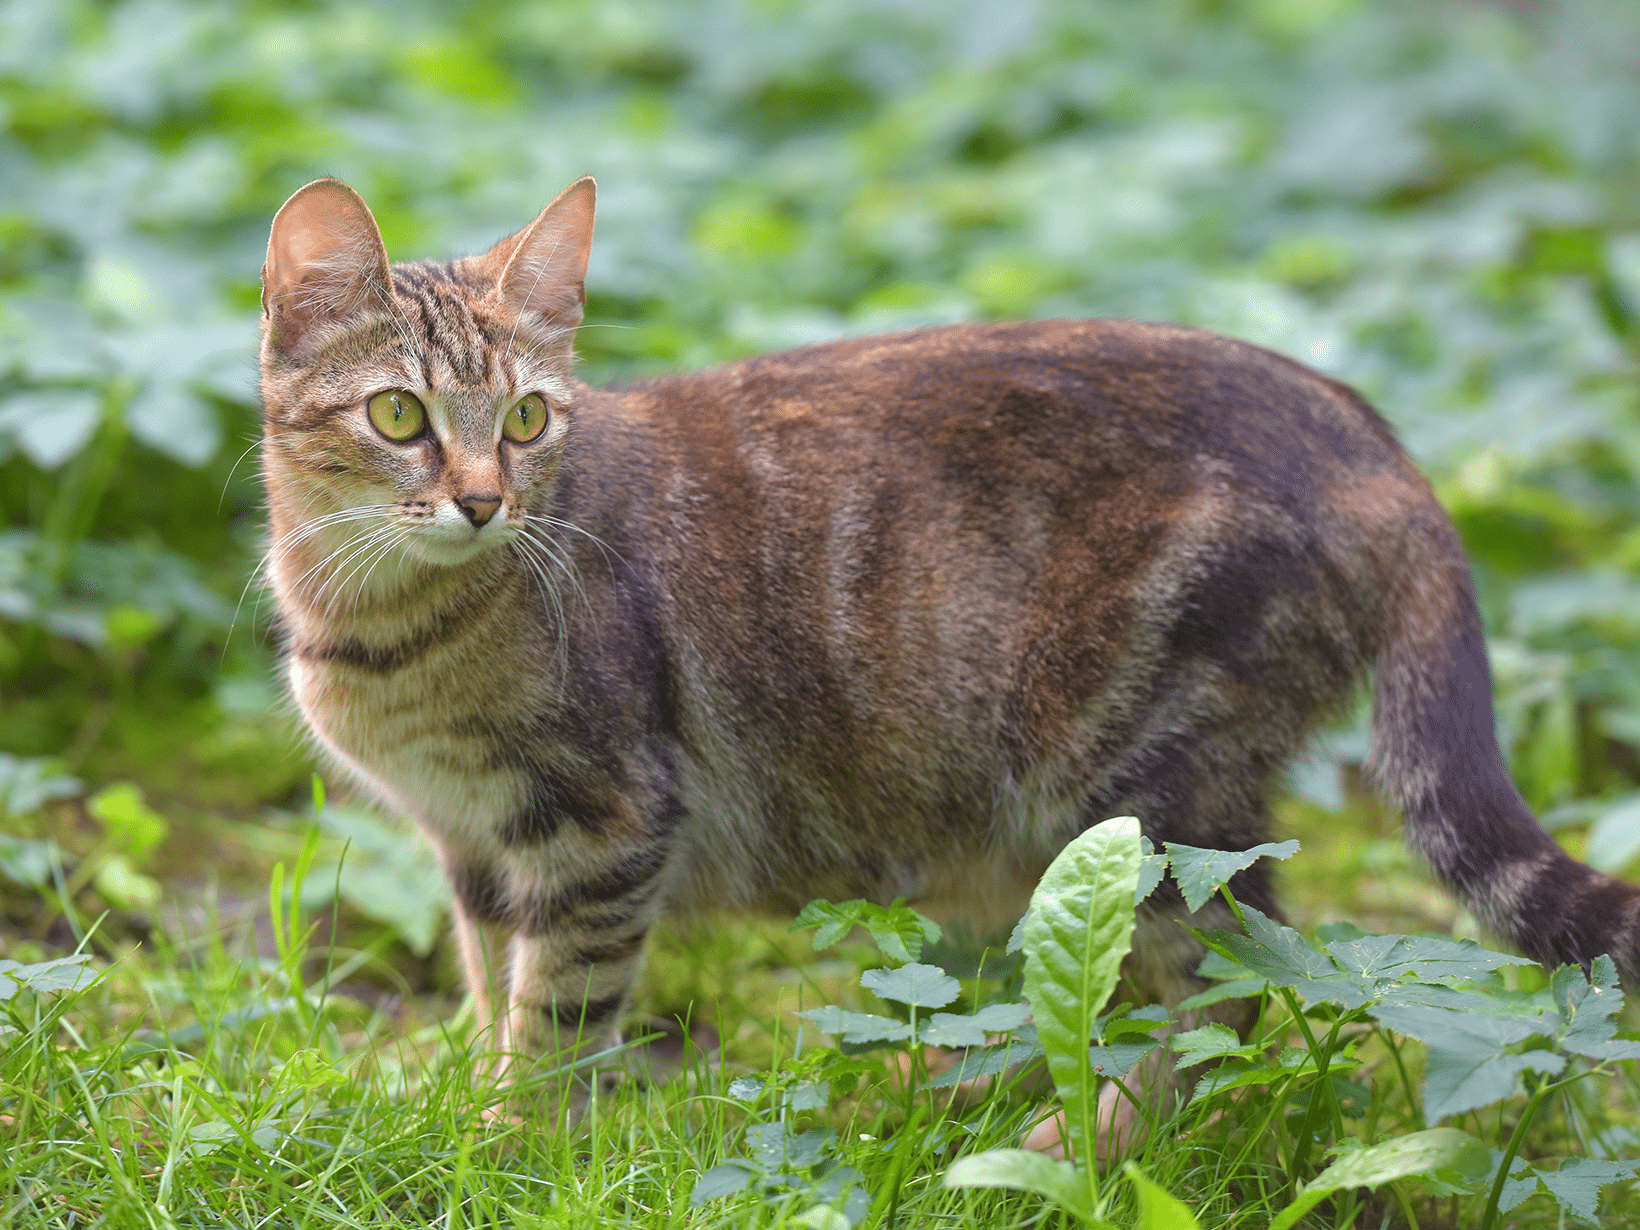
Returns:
(326, 261)
(540, 273)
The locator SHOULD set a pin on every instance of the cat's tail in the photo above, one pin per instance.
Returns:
(1435, 753)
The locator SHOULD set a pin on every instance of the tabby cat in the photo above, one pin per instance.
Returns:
(895, 616)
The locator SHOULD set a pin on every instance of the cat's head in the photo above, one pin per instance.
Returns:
(416, 408)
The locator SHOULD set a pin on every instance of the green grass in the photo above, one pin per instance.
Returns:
(198, 1084)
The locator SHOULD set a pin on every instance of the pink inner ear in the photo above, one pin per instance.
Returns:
(325, 261)
(545, 273)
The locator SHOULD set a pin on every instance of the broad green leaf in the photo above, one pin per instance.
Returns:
(899, 931)
(1397, 1158)
(120, 884)
(1159, 1209)
(1079, 929)
(949, 1029)
(987, 1062)
(832, 922)
(28, 862)
(774, 1146)
(1126, 1019)
(746, 1088)
(808, 1095)
(133, 828)
(62, 974)
(724, 1180)
(820, 1217)
(1027, 1171)
(387, 874)
(1200, 873)
(858, 1028)
(944, 1029)
(1016, 937)
(27, 782)
(917, 986)
(1293, 1061)
(1117, 1058)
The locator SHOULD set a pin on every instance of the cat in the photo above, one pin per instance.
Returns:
(888, 617)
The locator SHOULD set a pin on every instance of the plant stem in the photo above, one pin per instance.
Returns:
(1406, 1081)
(1539, 1096)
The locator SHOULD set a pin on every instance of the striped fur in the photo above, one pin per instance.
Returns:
(890, 617)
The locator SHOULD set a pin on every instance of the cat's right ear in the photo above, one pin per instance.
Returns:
(326, 261)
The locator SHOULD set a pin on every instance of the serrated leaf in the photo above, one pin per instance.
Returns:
(1286, 958)
(1588, 1010)
(899, 931)
(1397, 1158)
(833, 920)
(1213, 1041)
(1456, 1081)
(999, 1018)
(1576, 1185)
(945, 1029)
(724, 1180)
(857, 1028)
(1200, 873)
(1387, 958)
(1079, 930)
(1152, 870)
(1291, 1062)
(915, 985)
(822, 1218)
(775, 1147)
(1239, 988)
(1025, 1170)
(1016, 937)
(1126, 1019)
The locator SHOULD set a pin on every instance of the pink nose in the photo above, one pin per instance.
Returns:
(478, 508)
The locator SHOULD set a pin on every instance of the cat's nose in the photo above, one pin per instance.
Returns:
(478, 508)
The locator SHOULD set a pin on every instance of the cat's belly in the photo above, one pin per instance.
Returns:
(745, 845)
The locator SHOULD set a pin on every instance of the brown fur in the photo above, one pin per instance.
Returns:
(888, 617)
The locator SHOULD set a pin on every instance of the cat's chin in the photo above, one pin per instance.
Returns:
(448, 553)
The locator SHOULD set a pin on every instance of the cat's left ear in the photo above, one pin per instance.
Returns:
(541, 271)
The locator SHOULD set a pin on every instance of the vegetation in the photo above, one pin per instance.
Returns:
(1432, 201)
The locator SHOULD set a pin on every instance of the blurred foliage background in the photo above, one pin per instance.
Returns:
(1435, 200)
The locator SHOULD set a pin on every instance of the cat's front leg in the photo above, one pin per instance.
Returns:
(577, 948)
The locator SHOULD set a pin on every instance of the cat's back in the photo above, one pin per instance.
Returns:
(1024, 403)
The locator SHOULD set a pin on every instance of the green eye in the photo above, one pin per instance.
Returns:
(397, 414)
(526, 420)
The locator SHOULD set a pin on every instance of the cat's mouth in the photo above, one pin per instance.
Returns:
(456, 534)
